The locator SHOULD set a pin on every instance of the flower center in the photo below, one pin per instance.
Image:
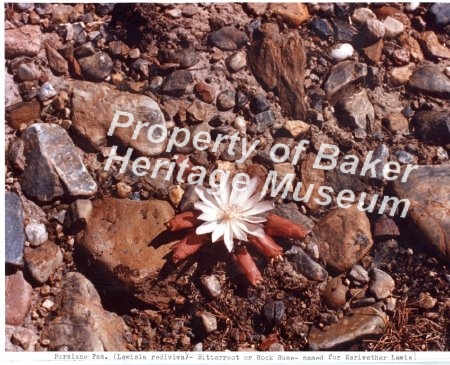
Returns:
(230, 213)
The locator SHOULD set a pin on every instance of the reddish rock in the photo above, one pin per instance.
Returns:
(385, 226)
(311, 176)
(430, 44)
(118, 239)
(335, 292)
(343, 237)
(57, 62)
(23, 41)
(294, 14)
(43, 261)
(278, 63)
(374, 52)
(18, 298)
(25, 112)
(205, 92)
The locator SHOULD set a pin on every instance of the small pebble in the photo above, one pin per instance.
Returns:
(46, 92)
(209, 322)
(36, 234)
(212, 285)
(123, 190)
(236, 62)
(47, 304)
(342, 52)
(240, 124)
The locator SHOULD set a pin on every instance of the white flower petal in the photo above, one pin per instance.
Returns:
(253, 219)
(245, 195)
(253, 229)
(208, 217)
(218, 232)
(205, 208)
(238, 231)
(228, 236)
(205, 197)
(206, 227)
(260, 207)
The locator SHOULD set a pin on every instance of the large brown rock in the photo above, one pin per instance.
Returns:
(94, 106)
(366, 322)
(344, 237)
(278, 63)
(18, 298)
(23, 41)
(81, 323)
(118, 239)
(428, 190)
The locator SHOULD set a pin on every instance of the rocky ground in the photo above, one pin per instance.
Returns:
(88, 259)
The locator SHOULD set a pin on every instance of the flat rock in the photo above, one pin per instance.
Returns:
(81, 323)
(278, 63)
(19, 338)
(94, 107)
(24, 112)
(228, 38)
(382, 284)
(293, 14)
(356, 112)
(429, 80)
(344, 237)
(290, 211)
(176, 83)
(23, 41)
(14, 230)
(17, 298)
(52, 160)
(118, 239)
(96, 67)
(366, 322)
(344, 74)
(432, 126)
(306, 265)
(312, 176)
(428, 189)
(43, 261)
(57, 62)
(430, 44)
(400, 75)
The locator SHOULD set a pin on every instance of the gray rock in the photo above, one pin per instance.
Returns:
(14, 233)
(228, 38)
(50, 157)
(43, 8)
(259, 104)
(19, 339)
(176, 83)
(209, 321)
(212, 285)
(366, 322)
(335, 293)
(344, 74)
(96, 67)
(90, 101)
(382, 284)
(381, 153)
(441, 14)
(23, 6)
(26, 73)
(273, 311)
(23, 41)
(429, 80)
(356, 112)
(428, 189)
(264, 120)
(405, 157)
(236, 62)
(290, 211)
(78, 214)
(17, 298)
(359, 274)
(393, 27)
(85, 50)
(226, 100)
(46, 92)
(43, 261)
(81, 323)
(36, 233)
(190, 197)
(306, 265)
(432, 126)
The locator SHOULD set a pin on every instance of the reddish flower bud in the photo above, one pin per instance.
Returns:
(188, 246)
(281, 227)
(245, 264)
(266, 245)
(183, 221)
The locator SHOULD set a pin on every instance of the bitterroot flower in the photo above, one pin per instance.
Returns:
(232, 214)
